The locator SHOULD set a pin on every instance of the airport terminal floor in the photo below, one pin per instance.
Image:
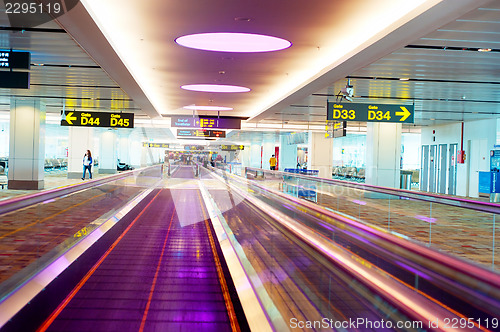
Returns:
(184, 247)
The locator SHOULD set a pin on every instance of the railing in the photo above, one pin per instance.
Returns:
(261, 174)
(445, 282)
(456, 225)
(23, 201)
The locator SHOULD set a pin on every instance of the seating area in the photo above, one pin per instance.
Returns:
(55, 164)
(348, 173)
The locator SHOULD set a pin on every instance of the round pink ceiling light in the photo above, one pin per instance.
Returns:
(233, 42)
(215, 88)
(208, 108)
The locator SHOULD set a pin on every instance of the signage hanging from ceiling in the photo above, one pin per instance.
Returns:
(155, 145)
(201, 133)
(339, 129)
(15, 60)
(232, 147)
(194, 147)
(370, 112)
(97, 119)
(14, 80)
(205, 122)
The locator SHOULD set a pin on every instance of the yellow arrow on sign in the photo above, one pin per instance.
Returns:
(405, 114)
(69, 118)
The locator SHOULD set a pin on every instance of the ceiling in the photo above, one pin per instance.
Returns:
(130, 61)
(448, 79)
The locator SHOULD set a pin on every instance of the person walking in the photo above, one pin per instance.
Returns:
(87, 164)
(272, 163)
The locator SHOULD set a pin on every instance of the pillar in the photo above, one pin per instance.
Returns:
(288, 154)
(124, 147)
(108, 152)
(255, 149)
(80, 140)
(245, 157)
(320, 154)
(27, 144)
(383, 154)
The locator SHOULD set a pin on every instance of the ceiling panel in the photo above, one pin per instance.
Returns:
(445, 85)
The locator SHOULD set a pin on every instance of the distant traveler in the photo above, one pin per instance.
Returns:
(272, 163)
(87, 164)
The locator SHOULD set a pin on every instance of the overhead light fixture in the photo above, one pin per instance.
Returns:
(484, 49)
(233, 42)
(404, 79)
(215, 88)
(208, 108)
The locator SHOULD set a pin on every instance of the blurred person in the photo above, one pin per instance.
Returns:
(87, 164)
(273, 162)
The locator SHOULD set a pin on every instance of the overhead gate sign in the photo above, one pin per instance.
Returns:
(370, 112)
(97, 119)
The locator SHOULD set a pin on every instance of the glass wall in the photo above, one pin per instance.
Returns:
(350, 150)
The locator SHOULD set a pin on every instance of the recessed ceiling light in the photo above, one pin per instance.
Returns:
(484, 49)
(215, 88)
(208, 108)
(233, 42)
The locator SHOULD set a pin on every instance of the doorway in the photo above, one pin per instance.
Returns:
(424, 177)
(433, 168)
(452, 170)
(442, 168)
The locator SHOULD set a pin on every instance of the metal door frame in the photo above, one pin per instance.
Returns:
(424, 166)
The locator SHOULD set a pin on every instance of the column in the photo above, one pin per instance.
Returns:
(245, 157)
(135, 158)
(383, 154)
(288, 154)
(81, 139)
(108, 152)
(124, 148)
(255, 149)
(320, 154)
(27, 144)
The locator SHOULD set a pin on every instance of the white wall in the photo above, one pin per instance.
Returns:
(411, 150)
(450, 134)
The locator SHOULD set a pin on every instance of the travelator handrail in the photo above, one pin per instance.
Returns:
(456, 277)
(23, 201)
(421, 196)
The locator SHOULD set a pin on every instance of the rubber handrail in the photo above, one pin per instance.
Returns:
(460, 266)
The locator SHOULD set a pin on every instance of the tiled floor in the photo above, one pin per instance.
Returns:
(28, 234)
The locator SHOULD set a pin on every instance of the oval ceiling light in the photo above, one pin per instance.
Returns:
(215, 88)
(208, 108)
(233, 42)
